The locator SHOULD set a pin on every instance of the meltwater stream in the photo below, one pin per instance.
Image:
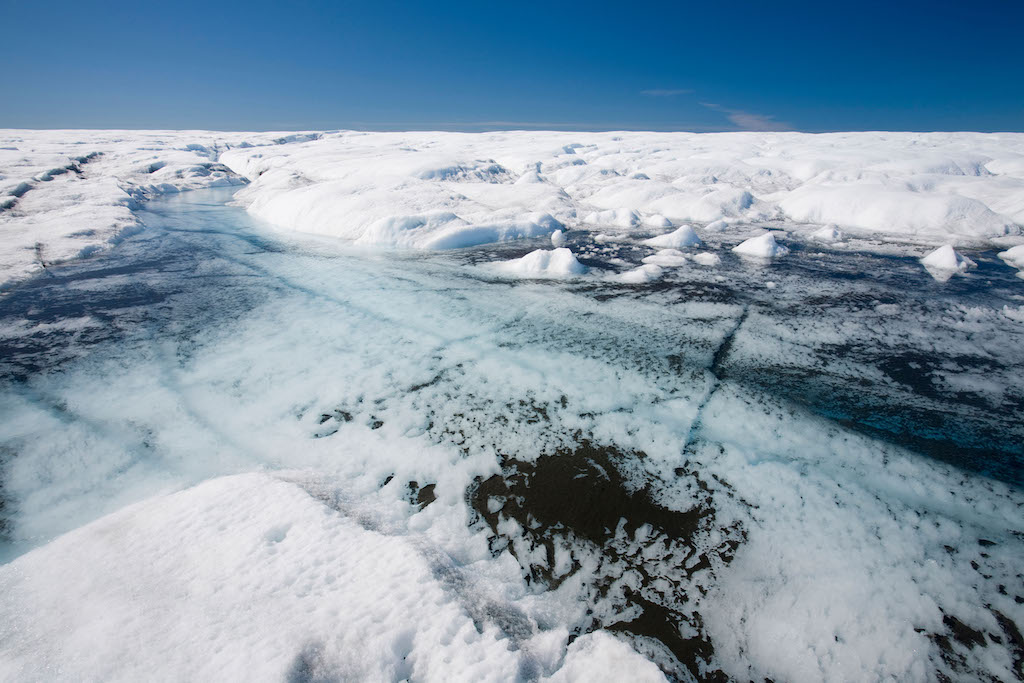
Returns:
(805, 469)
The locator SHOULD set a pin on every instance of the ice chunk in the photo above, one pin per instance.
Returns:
(1014, 256)
(558, 238)
(947, 258)
(763, 246)
(544, 263)
(684, 236)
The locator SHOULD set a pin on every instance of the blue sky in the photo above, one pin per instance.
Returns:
(480, 65)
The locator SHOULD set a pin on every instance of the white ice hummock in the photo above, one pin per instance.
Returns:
(682, 237)
(763, 246)
(542, 263)
(949, 259)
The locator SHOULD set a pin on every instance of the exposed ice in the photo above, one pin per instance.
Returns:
(558, 238)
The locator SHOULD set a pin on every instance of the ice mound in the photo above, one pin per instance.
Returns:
(947, 259)
(639, 276)
(1014, 256)
(558, 238)
(621, 218)
(764, 247)
(249, 577)
(829, 234)
(706, 258)
(667, 258)
(543, 263)
(682, 237)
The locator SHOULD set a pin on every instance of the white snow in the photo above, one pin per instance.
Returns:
(682, 237)
(558, 238)
(560, 262)
(763, 246)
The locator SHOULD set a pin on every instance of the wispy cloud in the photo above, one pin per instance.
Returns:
(665, 92)
(745, 120)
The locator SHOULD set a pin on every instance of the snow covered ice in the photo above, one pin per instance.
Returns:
(436, 406)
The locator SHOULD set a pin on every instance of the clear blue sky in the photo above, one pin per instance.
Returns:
(896, 65)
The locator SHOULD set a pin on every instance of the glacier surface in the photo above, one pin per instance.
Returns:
(236, 444)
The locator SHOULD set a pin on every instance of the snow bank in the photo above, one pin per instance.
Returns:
(681, 238)
(763, 246)
(543, 263)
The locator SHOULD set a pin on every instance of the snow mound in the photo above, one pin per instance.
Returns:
(249, 577)
(947, 258)
(763, 246)
(682, 237)
(544, 263)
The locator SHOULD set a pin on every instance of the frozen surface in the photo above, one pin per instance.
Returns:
(473, 474)
(682, 237)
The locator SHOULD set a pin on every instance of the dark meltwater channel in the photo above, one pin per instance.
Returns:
(660, 459)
